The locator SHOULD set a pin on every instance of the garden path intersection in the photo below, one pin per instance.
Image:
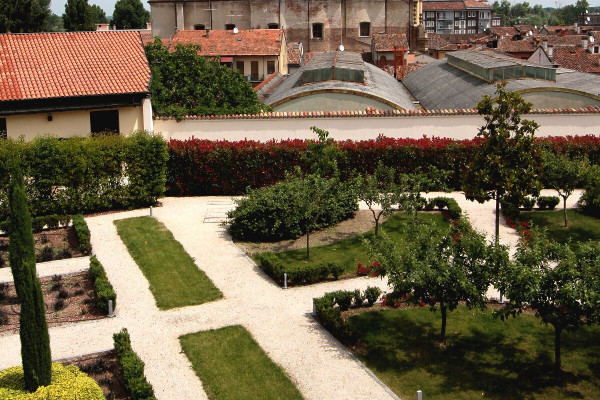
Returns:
(279, 320)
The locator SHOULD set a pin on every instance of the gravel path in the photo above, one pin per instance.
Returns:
(278, 319)
(49, 268)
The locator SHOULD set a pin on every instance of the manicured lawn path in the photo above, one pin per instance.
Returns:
(484, 357)
(349, 252)
(175, 280)
(581, 227)
(232, 366)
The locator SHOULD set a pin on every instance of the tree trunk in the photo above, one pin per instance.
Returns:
(377, 224)
(557, 332)
(443, 310)
(497, 219)
(565, 209)
(307, 244)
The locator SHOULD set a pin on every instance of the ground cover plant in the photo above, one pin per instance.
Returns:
(232, 366)
(348, 252)
(175, 280)
(483, 357)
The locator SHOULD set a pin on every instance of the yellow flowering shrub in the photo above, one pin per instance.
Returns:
(68, 383)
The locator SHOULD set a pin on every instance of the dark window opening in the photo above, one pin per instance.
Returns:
(317, 31)
(199, 27)
(365, 29)
(273, 26)
(229, 27)
(104, 121)
(254, 70)
(270, 67)
(3, 128)
(240, 66)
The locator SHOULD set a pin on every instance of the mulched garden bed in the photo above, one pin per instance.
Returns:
(69, 298)
(51, 244)
(104, 368)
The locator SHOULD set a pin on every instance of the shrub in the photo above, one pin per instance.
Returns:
(372, 293)
(132, 366)
(527, 203)
(272, 266)
(82, 232)
(448, 203)
(336, 269)
(358, 298)
(343, 298)
(275, 212)
(547, 202)
(102, 287)
(67, 383)
(331, 317)
(510, 209)
(45, 254)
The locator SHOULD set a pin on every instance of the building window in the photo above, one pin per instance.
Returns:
(239, 65)
(254, 70)
(317, 31)
(430, 14)
(430, 24)
(595, 51)
(3, 128)
(273, 26)
(270, 67)
(199, 27)
(364, 29)
(472, 22)
(472, 14)
(229, 27)
(104, 121)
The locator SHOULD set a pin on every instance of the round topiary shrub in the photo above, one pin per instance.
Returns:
(68, 383)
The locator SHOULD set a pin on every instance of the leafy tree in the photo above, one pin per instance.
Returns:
(438, 267)
(560, 286)
(23, 16)
(411, 187)
(563, 175)
(590, 200)
(378, 189)
(97, 14)
(184, 83)
(78, 16)
(54, 23)
(507, 165)
(33, 331)
(130, 14)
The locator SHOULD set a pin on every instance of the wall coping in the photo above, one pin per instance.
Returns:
(372, 113)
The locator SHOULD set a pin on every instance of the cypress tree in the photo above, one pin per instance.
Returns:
(35, 340)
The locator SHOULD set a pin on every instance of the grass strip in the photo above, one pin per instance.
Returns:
(581, 227)
(351, 251)
(483, 357)
(232, 366)
(175, 280)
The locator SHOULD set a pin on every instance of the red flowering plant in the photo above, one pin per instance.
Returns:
(522, 225)
(373, 270)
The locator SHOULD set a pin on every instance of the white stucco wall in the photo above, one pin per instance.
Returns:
(360, 128)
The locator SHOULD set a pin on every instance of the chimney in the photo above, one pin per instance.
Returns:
(584, 43)
(207, 32)
(149, 26)
(545, 45)
(550, 51)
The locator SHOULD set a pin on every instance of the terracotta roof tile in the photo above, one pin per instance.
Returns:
(247, 42)
(294, 53)
(454, 5)
(577, 58)
(504, 31)
(476, 4)
(387, 41)
(68, 64)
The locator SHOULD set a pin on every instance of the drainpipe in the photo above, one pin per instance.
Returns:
(385, 12)
(308, 24)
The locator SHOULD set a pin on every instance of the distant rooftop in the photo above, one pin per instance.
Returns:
(334, 65)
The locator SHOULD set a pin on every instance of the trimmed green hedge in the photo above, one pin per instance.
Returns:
(447, 203)
(79, 175)
(136, 384)
(68, 383)
(102, 287)
(547, 202)
(273, 267)
(82, 232)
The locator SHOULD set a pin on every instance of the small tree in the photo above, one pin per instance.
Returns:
(435, 267)
(508, 164)
(33, 331)
(563, 175)
(411, 187)
(78, 16)
(556, 283)
(378, 189)
(130, 14)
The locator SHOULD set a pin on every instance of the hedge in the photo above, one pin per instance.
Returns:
(102, 287)
(204, 167)
(132, 366)
(273, 267)
(79, 175)
(82, 232)
(68, 383)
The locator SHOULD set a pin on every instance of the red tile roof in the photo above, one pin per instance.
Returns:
(577, 58)
(387, 41)
(247, 42)
(294, 53)
(504, 31)
(454, 5)
(68, 64)
(560, 29)
(528, 44)
(148, 38)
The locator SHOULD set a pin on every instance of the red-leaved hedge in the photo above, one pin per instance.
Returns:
(204, 167)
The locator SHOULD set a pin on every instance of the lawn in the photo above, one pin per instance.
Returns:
(175, 280)
(484, 357)
(581, 227)
(349, 252)
(232, 366)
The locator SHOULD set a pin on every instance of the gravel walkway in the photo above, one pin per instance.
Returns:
(49, 268)
(280, 320)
